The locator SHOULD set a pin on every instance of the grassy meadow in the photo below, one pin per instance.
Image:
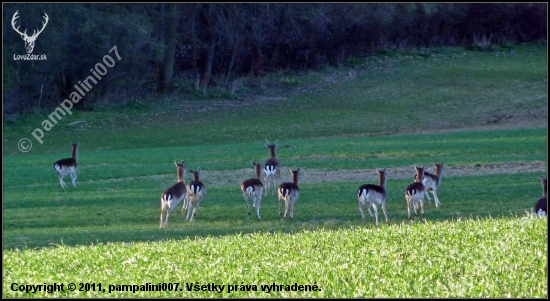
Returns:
(481, 113)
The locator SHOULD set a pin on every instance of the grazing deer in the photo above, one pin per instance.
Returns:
(373, 195)
(253, 188)
(542, 204)
(195, 194)
(172, 196)
(271, 168)
(415, 193)
(289, 192)
(67, 166)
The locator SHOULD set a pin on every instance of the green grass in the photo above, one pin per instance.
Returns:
(384, 96)
(487, 258)
(392, 111)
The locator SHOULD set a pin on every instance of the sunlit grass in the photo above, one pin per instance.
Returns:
(479, 243)
(462, 258)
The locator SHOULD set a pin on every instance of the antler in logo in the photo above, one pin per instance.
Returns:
(29, 41)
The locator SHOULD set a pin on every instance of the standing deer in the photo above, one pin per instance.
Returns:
(542, 204)
(253, 188)
(271, 168)
(173, 195)
(67, 166)
(195, 194)
(431, 182)
(373, 195)
(415, 193)
(289, 192)
(29, 41)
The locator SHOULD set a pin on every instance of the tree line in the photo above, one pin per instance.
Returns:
(212, 45)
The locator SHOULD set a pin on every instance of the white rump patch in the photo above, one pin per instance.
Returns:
(195, 189)
(269, 170)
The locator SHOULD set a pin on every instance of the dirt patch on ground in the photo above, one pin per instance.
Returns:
(220, 178)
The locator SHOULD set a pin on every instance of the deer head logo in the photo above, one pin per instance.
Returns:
(29, 41)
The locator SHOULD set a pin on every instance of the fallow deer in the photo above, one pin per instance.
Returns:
(253, 188)
(542, 204)
(271, 168)
(373, 195)
(414, 194)
(289, 192)
(173, 195)
(67, 166)
(195, 194)
(431, 182)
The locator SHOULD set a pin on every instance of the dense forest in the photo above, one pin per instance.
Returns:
(174, 48)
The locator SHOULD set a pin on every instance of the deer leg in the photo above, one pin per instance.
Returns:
(63, 185)
(385, 213)
(73, 178)
(246, 204)
(434, 192)
(286, 209)
(185, 204)
(361, 210)
(257, 205)
(409, 208)
(370, 212)
(189, 209)
(428, 195)
(374, 207)
(291, 211)
(273, 185)
(161, 214)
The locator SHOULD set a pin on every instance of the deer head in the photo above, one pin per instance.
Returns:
(29, 41)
